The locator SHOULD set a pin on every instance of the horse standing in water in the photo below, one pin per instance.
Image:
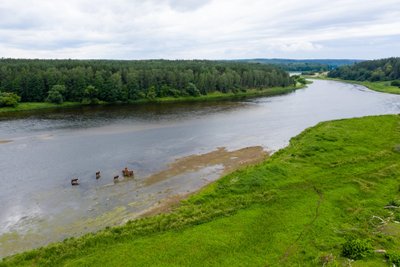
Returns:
(74, 181)
(127, 173)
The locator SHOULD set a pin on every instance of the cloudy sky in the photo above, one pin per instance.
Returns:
(208, 29)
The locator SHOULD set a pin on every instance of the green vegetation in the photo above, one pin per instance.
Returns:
(223, 96)
(395, 83)
(307, 65)
(111, 81)
(333, 183)
(356, 249)
(9, 99)
(380, 75)
(372, 70)
(300, 80)
(393, 258)
(214, 96)
(35, 106)
(384, 86)
(55, 94)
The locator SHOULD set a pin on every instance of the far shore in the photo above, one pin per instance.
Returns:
(216, 96)
(382, 86)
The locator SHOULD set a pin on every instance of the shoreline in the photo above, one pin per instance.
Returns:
(381, 86)
(229, 160)
(215, 96)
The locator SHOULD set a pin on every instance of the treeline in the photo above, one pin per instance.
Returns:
(303, 65)
(373, 70)
(124, 81)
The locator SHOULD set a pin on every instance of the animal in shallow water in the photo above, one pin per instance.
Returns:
(74, 181)
(127, 173)
(116, 178)
(98, 175)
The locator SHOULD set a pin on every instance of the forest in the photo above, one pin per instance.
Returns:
(124, 81)
(304, 65)
(373, 70)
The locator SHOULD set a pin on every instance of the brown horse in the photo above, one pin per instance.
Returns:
(127, 173)
(98, 175)
(74, 181)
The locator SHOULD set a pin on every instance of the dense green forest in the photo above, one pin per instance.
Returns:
(304, 64)
(373, 70)
(124, 81)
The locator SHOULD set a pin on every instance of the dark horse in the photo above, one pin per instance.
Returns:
(74, 181)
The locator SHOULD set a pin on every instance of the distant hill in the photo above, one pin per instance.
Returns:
(303, 64)
(371, 70)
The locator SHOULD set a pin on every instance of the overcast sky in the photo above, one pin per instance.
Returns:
(214, 29)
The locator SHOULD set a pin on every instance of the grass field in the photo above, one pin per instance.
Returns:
(297, 208)
(209, 97)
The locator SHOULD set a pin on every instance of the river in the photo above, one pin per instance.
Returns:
(174, 149)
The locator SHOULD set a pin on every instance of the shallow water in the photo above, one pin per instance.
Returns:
(40, 152)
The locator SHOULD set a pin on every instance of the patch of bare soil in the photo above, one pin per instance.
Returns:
(231, 160)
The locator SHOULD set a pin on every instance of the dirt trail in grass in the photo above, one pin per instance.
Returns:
(306, 228)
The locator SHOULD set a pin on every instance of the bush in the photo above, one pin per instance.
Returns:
(396, 83)
(55, 94)
(54, 97)
(192, 90)
(90, 95)
(393, 258)
(357, 248)
(9, 99)
(151, 93)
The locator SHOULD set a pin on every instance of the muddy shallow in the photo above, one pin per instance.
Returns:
(175, 149)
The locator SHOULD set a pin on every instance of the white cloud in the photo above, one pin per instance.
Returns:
(196, 29)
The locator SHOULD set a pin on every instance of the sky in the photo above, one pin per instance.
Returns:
(209, 29)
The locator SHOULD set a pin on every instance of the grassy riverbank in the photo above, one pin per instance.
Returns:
(383, 87)
(215, 96)
(27, 106)
(297, 208)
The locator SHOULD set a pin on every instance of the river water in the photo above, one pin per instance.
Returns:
(40, 152)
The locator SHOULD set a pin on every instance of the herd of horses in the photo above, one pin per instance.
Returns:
(125, 173)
